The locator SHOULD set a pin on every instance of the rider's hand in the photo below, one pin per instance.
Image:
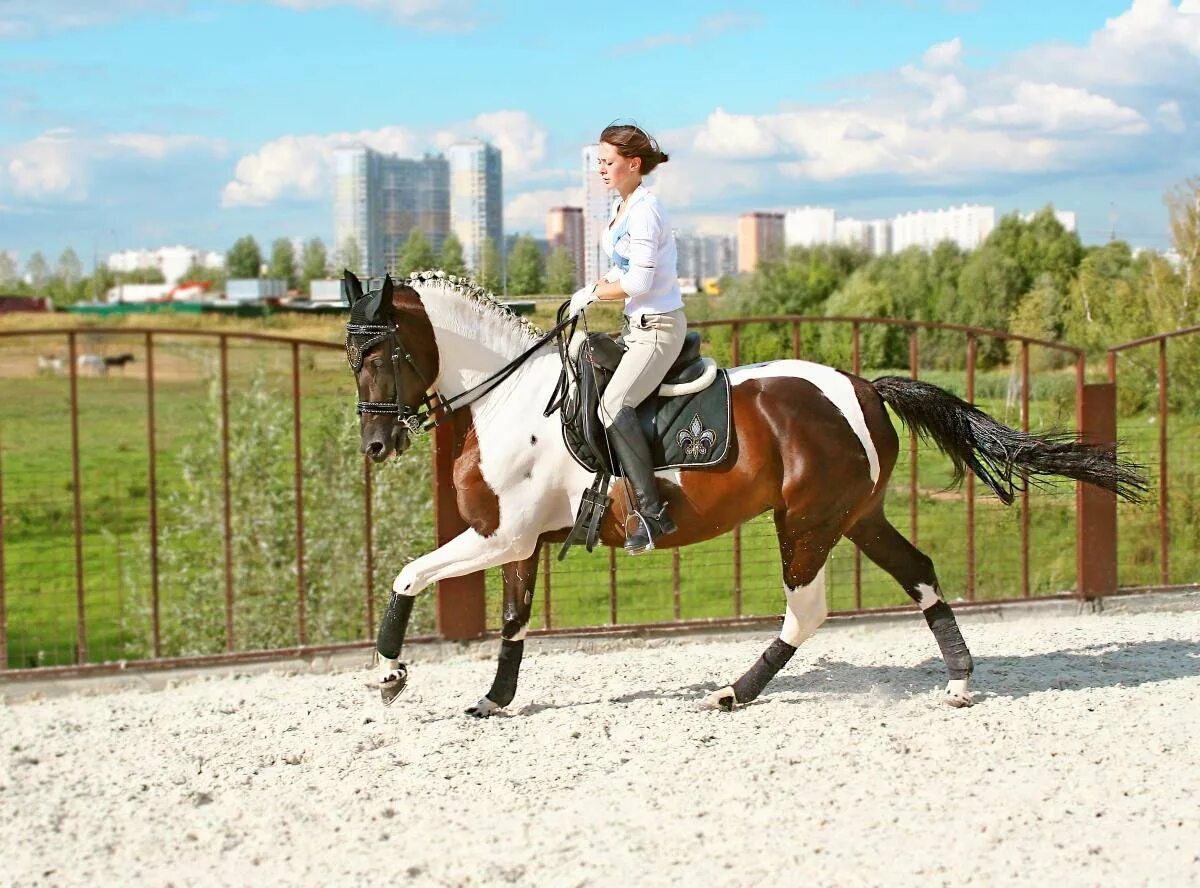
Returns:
(583, 297)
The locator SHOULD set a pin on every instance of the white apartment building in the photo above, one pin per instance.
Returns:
(597, 201)
(476, 198)
(967, 225)
(705, 256)
(809, 226)
(171, 261)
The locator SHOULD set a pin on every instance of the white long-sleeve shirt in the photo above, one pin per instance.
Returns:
(642, 250)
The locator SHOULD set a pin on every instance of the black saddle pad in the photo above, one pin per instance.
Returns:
(685, 431)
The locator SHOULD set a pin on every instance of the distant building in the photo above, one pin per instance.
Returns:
(378, 199)
(809, 226)
(250, 290)
(760, 236)
(967, 225)
(564, 228)
(705, 256)
(879, 236)
(476, 198)
(171, 261)
(597, 203)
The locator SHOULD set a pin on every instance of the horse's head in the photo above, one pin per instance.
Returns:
(392, 352)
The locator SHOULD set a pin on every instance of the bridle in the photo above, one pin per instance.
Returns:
(415, 419)
(433, 409)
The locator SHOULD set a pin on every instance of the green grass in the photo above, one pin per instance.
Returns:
(38, 513)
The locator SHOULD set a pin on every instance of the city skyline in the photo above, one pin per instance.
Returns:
(112, 139)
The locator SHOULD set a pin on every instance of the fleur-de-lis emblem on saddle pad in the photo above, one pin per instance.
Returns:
(696, 440)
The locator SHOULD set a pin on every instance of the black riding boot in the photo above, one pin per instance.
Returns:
(633, 452)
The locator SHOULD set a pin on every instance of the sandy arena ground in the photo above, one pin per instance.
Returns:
(1078, 765)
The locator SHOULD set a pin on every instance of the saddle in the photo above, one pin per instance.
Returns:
(687, 422)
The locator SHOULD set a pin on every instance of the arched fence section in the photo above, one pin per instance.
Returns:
(204, 500)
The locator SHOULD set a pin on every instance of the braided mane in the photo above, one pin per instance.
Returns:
(484, 301)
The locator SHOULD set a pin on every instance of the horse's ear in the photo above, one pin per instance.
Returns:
(351, 287)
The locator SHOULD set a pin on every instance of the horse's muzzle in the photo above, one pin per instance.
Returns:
(380, 444)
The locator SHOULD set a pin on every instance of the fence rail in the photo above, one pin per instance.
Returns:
(718, 584)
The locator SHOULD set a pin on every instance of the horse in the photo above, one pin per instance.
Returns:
(813, 445)
(119, 361)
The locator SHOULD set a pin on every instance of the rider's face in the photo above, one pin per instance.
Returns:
(621, 173)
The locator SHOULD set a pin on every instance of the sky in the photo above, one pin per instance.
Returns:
(144, 123)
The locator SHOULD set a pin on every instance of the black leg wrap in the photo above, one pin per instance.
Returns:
(760, 674)
(954, 650)
(394, 625)
(504, 688)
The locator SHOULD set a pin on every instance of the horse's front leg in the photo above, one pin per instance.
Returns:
(520, 581)
(466, 553)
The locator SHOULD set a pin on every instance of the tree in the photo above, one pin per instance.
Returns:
(1183, 205)
(244, 260)
(37, 270)
(560, 272)
(488, 272)
(8, 269)
(70, 269)
(350, 255)
(204, 274)
(313, 262)
(452, 255)
(415, 255)
(283, 262)
(525, 267)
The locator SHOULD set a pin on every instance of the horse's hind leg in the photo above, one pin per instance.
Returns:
(520, 580)
(804, 553)
(913, 570)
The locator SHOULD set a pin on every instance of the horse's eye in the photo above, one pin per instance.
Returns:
(376, 363)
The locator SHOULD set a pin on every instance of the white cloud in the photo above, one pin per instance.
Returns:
(709, 27)
(430, 15)
(301, 165)
(527, 212)
(943, 55)
(57, 164)
(737, 135)
(1050, 107)
(21, 19)
(1169, 115)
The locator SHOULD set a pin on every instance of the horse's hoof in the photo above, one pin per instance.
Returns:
(958, 693)
(483, 709)
(724, 699)
(392, 683)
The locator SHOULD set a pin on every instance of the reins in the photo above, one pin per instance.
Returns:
(434, 409)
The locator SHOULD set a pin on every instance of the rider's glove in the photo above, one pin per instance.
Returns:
(582, 299)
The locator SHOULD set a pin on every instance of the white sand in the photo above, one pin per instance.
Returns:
(1080, 763)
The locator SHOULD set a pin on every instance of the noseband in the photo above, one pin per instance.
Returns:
(356, 352)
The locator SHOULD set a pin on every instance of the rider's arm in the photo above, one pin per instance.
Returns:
(645, 228)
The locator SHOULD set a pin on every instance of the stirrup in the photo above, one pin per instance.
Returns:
(652, 528)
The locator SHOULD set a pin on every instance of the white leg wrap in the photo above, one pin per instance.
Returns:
(929, 596)
(806, 610)
(958, 692)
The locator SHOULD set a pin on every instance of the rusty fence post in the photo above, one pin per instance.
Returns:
(298, 481)
(77, 502)
(612, 585)
(546, 620)
(461, 601)
(1096, 524)
(225, 484)
(914, 359)
(1025, 487)
(856, 360)
(3, 606)
(152, 485)
(369, 542)
(1164, 530)
(971, 352)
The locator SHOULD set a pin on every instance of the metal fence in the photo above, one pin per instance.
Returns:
(206, 500)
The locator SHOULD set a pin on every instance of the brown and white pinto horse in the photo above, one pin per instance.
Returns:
(814, 446)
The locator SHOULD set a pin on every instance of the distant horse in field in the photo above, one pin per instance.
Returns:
(51, 364)
(812, 445)
(118, 361)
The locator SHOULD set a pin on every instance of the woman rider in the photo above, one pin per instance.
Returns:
(640, 244)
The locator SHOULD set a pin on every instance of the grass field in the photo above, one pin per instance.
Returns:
(40, 572)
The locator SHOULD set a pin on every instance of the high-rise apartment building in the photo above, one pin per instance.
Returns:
(705, 256)
(597, 202)
(808, 226)
(564, 228)
(173, 262)
(378, 199)
(968, 226)
(476, 198)
(760, 236)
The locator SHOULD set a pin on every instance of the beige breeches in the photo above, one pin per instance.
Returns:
(653, 342)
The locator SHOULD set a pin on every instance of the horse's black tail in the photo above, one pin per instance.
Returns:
(995, 453)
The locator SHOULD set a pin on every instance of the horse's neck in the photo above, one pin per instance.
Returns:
(472, 344)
